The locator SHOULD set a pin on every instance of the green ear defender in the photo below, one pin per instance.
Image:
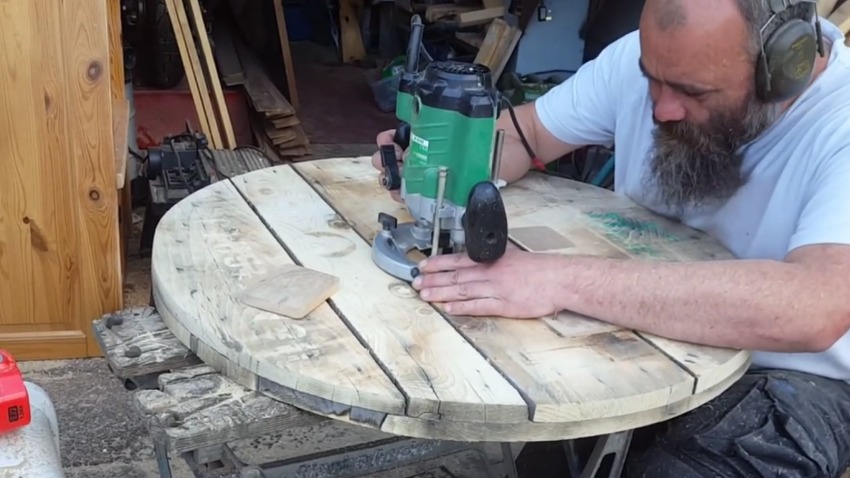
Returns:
(790, 41)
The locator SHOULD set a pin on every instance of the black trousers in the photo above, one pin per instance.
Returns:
(771, 423)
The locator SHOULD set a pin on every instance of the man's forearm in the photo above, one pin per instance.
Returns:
(756, 305)
(516, 160)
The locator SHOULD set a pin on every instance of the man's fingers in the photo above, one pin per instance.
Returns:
(376, 161)
(446, 262)
(463, 291)
(486, 307)
(385, 137)
(442, 279)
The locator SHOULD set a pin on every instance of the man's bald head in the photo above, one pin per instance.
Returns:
(667, 14)
(732, 22)
(752, 15)
(700, 60)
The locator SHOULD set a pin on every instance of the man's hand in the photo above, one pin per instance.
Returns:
(519, 285)
(384, 138)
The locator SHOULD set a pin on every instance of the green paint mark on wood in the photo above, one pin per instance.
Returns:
(638, 236)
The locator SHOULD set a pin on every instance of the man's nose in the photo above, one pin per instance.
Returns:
(668, 106)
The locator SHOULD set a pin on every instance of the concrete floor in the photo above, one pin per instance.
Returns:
(100, 433)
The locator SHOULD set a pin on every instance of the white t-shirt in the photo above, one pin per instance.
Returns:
(798, 189)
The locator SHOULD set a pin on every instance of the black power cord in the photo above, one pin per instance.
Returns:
(535, 161)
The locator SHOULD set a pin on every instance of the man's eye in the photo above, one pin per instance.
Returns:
(697, 95)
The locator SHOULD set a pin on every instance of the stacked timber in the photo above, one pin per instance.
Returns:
(274, 121)
(483, 24)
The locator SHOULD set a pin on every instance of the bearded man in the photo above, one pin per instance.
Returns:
(699, 137)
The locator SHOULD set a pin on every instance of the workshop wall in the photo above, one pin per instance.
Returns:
(561, 24)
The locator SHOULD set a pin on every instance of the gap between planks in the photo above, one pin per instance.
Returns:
(713, 365)
(311, 186)
(485, 396)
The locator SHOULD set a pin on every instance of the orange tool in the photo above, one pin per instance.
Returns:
(14, 399)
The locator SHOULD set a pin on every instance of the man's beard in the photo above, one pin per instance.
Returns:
(694, 166)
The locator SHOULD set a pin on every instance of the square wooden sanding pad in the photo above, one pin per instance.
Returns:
(292, 291)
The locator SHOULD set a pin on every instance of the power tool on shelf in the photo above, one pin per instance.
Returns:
(448, 116)
(182, 164)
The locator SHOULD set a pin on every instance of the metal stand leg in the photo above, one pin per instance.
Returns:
(605, 461)
(504, 468)
(395, 453)
(162, 459)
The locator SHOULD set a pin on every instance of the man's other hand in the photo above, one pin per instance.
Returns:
(384, 138)
(519, 285)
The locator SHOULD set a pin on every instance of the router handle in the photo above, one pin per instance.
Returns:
(414, 44)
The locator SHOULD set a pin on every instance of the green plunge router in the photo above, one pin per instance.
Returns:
(448, 182)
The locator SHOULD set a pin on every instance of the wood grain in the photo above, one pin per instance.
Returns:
(620, 372)
(206, 249)
(292, 291)
(59, 248)
(194, 73)
(406, 336)
(286, 53)
(451, 377)
(91, 141)
(210, 72)
(841, 18)
(598, 222)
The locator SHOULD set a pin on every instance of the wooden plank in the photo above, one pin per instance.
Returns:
(263, 94)
(554, 431)
(289, 68)
(841, 18)
(194, 73)
(225, 53)
(285, 121)
(498, 45)
(507, 46)
(37, 175)
(121, 133)
(350, 39)
(825, 7)
(209, 70)
(91, 151)
(46, 345)
(479, 17)
(401, 331)
(116, 50)
(212, 410)
(616, 372)
(437, 12)
(206, 248)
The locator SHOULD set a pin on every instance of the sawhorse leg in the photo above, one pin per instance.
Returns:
(162, 459)
(605, 461)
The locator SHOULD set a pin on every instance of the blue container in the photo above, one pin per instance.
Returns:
(297, 25)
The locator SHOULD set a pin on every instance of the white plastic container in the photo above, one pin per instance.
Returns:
(33, 451)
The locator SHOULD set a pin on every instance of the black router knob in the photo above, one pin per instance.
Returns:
(387, 221)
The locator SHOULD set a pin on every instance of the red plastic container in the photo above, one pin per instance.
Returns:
(14, 399)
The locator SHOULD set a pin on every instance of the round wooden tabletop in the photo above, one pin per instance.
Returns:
(376, 355)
